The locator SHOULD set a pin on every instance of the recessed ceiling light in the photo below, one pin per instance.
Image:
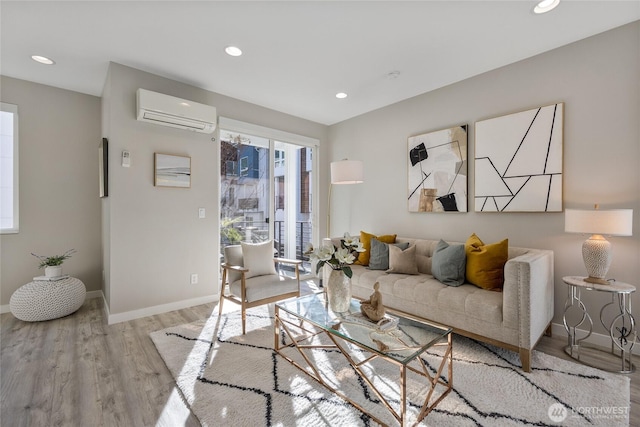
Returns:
(341, 95)
(545, 6)
(43, 59)
(233, 51)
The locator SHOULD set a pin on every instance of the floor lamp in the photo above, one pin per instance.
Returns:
(596, 250)
(343, 172)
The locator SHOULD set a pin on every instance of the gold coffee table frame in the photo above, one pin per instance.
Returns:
(344, 328)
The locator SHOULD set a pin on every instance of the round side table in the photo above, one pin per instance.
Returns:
(45, 300)
(622, 328)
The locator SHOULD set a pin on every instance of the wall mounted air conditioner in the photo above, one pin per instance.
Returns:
(179, 113)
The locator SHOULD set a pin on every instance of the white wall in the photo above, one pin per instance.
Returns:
(596, 78)
(153, 238)
(59, 203)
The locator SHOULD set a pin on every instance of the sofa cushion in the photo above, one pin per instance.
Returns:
(402, 261)
(365, 239)
(485, 263)
(467, 306)
(448, 263)
(379, 259)
(258, 259)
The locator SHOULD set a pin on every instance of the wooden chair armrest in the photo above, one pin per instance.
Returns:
(234, 267)
(288, 261)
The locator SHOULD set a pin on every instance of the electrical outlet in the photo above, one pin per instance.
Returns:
(194, 279)
(201, 213)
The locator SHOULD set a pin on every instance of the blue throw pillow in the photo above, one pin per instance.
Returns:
(379, 258)
(448, 264)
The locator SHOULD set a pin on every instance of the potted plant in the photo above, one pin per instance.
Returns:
(53, 264)
(230, 235)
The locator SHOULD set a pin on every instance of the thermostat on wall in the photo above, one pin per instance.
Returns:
(126, 159)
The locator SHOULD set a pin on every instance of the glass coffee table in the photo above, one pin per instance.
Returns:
(401, 341)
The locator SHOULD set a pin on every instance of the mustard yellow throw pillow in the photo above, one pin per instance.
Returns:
(485, 263)
(365, 239)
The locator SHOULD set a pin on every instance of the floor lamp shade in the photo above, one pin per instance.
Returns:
(343, 172)
(596, 250)
(347, 172)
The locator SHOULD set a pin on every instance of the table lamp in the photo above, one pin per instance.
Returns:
(596, 250)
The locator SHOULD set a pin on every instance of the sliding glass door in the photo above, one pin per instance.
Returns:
(266, 192)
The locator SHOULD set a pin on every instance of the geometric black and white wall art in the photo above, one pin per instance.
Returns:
(437, 171)
(518, 161)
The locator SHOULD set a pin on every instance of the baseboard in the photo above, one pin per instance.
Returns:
(91, 294)
(157, 309)
(601, 340)
(94, 294)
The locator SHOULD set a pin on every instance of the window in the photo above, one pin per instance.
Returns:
(279, 189)
(231, 168)
(279, 156)
(274, 188)
(244, 166)
(9, 168)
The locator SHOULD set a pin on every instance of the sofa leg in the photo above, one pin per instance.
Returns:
(525, 359)
(549, 331)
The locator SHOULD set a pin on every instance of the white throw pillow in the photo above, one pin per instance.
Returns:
(258, 259)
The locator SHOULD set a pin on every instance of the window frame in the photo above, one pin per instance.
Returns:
(13, 109)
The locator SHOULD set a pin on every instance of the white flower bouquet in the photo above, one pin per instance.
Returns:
(337, 258)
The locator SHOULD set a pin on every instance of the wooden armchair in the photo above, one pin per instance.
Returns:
(250, 277)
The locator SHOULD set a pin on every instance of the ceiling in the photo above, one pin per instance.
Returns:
(297, 54)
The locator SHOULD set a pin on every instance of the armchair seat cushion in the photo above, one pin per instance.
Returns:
(262, 287)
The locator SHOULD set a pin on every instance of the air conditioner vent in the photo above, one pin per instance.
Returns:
(167, 110)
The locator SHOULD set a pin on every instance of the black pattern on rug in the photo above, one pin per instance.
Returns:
(463, 406)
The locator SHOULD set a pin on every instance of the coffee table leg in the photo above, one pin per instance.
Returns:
(341, 345)
(403, 395)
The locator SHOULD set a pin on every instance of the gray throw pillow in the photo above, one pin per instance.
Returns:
(448, 264)
(379, 257)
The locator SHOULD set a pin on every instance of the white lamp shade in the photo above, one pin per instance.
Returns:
(611, 222)
(347, 172)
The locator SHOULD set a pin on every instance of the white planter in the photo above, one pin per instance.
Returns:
(53, 271)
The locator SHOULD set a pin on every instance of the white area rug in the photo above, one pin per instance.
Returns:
(229, 379)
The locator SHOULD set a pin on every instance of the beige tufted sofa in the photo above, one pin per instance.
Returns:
(515, 318)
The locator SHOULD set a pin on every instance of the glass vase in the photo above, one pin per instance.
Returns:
(339, 291)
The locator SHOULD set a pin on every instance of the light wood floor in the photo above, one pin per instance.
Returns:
(78, 371)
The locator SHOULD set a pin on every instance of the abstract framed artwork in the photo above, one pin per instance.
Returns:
(172, 171)
(518, 161)
(103, 167)
(437, 171)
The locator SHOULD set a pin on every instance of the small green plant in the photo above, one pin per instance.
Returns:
(229, 233)
(51, 261)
